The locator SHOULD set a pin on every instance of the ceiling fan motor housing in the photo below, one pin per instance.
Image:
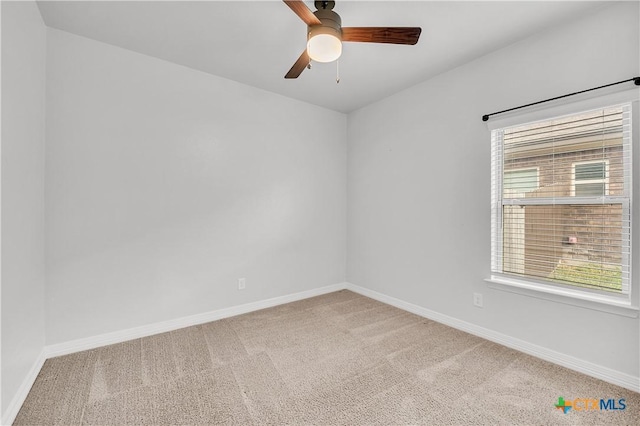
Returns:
(331, 24)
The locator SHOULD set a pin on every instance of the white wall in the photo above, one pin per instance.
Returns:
(164, 185)
(419, 186)
(23, 121)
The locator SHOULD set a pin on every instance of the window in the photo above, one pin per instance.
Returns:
(561, 201)
(590, 178)
(521, 180)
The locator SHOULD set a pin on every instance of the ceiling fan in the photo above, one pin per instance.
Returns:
(325, 34)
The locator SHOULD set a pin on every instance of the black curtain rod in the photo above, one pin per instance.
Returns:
(636, 80)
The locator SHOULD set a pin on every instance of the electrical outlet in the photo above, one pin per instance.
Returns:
(477, 300)
(242, 282)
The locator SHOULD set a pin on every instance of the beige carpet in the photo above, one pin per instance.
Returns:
(337, 359)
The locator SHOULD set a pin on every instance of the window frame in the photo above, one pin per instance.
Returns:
(620, 304)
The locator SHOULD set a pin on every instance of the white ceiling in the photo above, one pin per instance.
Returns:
(256, 42)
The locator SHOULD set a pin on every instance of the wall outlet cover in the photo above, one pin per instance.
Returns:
(477, 299)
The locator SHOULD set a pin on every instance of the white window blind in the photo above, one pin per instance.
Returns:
(561, 200)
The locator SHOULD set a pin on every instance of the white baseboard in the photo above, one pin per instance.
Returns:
(603, 373)
(164, 326)
(16, 403)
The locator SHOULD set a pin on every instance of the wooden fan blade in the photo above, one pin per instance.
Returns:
(393, 35)
(299, 66)
(300, 9)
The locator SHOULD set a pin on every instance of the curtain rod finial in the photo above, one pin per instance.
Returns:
(486, 117)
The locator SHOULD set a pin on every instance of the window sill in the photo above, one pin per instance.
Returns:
(594, 301)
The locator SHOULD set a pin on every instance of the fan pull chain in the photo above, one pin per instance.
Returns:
(337, 72)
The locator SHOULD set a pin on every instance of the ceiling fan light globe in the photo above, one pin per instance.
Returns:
(324, 47)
